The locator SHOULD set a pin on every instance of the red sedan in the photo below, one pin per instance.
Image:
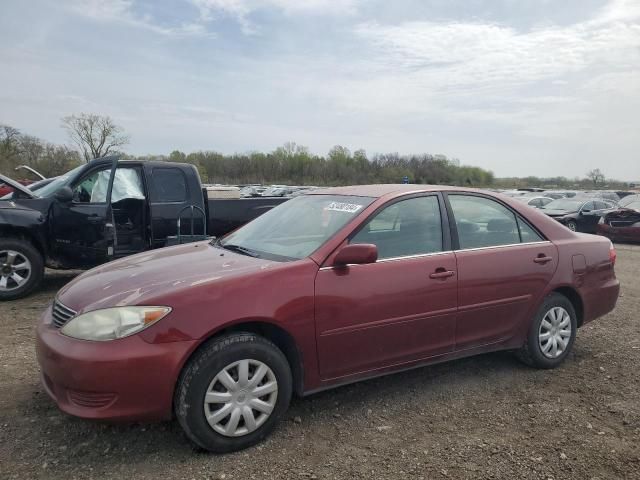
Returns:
(329, 288)
(622, 225)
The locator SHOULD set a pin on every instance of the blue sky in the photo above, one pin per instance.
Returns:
(521, 87)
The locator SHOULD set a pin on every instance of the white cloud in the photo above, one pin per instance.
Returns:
(464, 71)
(242, 9)
(122, 11)
(475, 54)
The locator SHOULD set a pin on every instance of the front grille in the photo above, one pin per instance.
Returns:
(61, 314)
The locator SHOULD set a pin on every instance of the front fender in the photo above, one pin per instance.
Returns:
(23, 222)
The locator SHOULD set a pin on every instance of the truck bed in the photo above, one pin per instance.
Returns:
(225, 215)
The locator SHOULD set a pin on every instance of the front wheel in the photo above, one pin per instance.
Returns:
(573, 226)
(551, 334)
(21, 268)
(232, 392)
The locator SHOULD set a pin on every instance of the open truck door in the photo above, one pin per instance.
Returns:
(83, 229)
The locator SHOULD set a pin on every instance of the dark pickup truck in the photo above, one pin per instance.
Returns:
(107, 209)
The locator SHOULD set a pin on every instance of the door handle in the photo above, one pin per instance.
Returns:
(542, 259)
(442, 273)
(95, 219)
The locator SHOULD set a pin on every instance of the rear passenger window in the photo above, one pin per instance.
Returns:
(528, 234)
(169, 185)
(409, 227)
(482, 222)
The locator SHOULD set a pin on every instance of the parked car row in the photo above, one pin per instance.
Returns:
(608, 213)
(273, 190)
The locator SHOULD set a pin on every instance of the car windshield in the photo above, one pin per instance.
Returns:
(629, 199)
(633, 205)
(564, 204)
(296, 228)
(56, 184)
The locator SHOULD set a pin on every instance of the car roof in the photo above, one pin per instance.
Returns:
(382, 190)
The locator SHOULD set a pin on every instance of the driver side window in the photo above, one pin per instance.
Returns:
(587, 207)
(93, 187)
(408, 227)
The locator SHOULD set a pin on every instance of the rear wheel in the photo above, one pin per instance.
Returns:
(551, 334)
(21, 268)
(233, 391)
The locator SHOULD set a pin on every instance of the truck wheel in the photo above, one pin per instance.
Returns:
(551, 334)
(21, 268)
(232, 392)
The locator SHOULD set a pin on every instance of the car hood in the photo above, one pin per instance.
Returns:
(140, 278)
(17, 186)
(11, 205)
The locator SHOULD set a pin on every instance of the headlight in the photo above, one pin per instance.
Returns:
(113, 323)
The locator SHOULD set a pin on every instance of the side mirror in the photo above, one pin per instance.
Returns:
(356, 254)
(584, 210)
(64, 195)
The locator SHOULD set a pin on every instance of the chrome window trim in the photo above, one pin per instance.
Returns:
(390, 259)
(417, 255)
(501, 246)
(433, 254)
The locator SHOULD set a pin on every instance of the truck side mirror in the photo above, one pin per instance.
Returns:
(64, 195)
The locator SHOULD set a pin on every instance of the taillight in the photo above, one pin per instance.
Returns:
(612, 254)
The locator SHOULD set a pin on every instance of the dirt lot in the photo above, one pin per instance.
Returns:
(483, 417)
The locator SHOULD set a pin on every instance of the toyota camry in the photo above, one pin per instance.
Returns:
(331, 287)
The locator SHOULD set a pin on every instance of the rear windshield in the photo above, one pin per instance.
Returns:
(564, 204)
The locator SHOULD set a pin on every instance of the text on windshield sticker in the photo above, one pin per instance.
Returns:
(343, 207)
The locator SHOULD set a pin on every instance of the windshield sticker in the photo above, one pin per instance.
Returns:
(343, 207)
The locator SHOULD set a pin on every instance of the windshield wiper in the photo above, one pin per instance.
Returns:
(239, 249)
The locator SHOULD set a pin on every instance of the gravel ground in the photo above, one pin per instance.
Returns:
(482, 417)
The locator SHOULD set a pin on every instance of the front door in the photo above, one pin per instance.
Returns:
(504, 265)
(82, 230)
(590, 215)
(398, 310)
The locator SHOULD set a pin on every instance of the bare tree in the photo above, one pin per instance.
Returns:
(9, 139)
(596, 176)
(96, 135)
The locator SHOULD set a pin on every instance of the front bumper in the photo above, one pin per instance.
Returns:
(125, 379)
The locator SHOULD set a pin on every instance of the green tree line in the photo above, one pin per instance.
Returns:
(294, 165)
(291, 164)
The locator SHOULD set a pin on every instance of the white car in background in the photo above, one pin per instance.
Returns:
(535, 202)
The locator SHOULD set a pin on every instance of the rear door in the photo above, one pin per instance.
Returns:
(401, 308)
(170, 193)
(504, 266)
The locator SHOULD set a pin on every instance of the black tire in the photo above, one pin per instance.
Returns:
(573, 226)
(201, 370)
(531, 352)
(27, 250)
